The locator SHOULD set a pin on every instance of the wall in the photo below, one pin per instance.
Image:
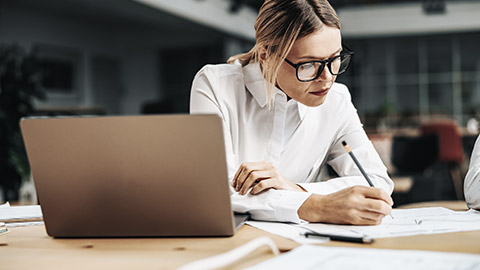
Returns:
(106, 43)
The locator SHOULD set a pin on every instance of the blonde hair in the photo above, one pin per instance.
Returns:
(279, 24)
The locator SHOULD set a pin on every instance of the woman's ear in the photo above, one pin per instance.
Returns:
(262, 54)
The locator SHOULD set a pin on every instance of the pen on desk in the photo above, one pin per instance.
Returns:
(358, 165)
(340, 237)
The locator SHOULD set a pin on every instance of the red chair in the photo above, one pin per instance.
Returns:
(450, 148)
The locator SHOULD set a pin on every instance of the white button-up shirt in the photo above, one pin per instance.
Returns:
(472, 179)
(297, 139)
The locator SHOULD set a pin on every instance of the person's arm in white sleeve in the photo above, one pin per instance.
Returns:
(272, 205)
(349, 199)
(472, 179)
(353, 133)
(204, 101)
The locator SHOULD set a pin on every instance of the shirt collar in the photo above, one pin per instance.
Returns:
(302, 109)
(256, 83)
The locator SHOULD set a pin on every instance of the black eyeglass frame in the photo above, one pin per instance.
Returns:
(327, 62)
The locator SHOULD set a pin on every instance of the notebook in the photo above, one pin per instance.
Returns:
(131, 176)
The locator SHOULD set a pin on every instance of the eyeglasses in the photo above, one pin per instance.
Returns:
(309, 71)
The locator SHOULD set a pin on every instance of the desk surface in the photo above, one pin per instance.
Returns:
(25, 247)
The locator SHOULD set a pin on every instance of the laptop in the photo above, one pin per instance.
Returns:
(131, 176)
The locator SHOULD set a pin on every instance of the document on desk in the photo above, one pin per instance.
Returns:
(7, 204)
(287, 230)
(406, 222)
(318, 257)
(21, 215)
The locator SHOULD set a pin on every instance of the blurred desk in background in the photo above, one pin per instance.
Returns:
(421, 165)
(452, 205)
(402, 184)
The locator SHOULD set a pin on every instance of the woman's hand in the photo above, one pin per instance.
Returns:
(356, 205)
(261, 176)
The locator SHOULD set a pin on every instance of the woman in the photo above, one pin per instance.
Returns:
(472, 179)
(284, 117)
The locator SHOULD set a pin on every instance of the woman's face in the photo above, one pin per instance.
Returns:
(320, 45)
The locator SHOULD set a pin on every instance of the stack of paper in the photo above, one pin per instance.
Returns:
(21, 215)
(325, 258)
(287, 230)
(406, 222)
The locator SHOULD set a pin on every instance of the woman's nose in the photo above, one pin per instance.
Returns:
(326, 75)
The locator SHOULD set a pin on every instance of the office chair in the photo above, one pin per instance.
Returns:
(412, 155)
(451, 154)
(412, 158)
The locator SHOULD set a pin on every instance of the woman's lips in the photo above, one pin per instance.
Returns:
(322, 92)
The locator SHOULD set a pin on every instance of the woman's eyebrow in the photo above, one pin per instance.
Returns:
(310, 57)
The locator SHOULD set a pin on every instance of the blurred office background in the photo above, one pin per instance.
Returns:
(415, 79)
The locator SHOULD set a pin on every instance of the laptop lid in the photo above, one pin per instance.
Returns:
(130, 176)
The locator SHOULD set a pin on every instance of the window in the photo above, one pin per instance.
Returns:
(436, 75)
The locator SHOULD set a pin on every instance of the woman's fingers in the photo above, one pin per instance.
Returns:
(262, 186)
(378, 194)
(356, 205)
(377, 206)
(253, 178)
(372, 205)
(370, 218)
(244, 171)
(234, 180)
(261, 175)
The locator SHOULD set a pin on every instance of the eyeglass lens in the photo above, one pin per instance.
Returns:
(311, 70)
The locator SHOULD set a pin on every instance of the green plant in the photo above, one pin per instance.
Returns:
(20, 84)
(385, 109)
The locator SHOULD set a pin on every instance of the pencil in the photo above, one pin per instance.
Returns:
(359, 166)
(358, 163)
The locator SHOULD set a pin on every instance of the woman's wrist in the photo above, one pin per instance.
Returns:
(311, 209)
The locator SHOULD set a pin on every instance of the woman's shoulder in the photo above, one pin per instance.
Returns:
(212, 71)
(340, 93)
(341, 90)
(224, 83)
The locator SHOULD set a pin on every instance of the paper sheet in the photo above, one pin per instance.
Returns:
(286, 230)
(24, 224)
(406, 222)
(20, 213)
(318, 257)
(7, 204)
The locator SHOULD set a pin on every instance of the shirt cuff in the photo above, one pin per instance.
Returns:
(288, 205)
(271, 205)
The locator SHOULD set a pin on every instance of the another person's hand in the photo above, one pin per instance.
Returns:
(261, 176)
(356, 205)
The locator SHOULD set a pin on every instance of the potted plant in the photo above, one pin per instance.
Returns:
(384, 112)
(20, 84)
